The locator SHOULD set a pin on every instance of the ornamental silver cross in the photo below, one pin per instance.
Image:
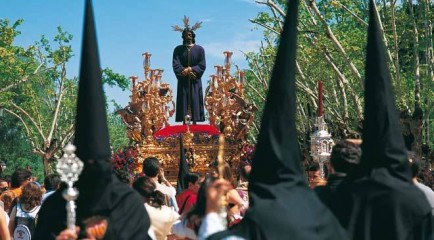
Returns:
(69, 168)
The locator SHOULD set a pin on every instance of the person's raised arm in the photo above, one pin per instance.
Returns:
(163, 178)
(212, 222)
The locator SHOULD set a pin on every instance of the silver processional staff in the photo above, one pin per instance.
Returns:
(69, 168)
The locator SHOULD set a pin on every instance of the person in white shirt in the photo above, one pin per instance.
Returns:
(51, 184)
(415, 170)
(162, 217)
(153, 170)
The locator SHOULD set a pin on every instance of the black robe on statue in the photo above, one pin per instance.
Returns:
(193, 57)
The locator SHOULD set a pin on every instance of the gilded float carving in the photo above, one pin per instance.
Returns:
(151, 105)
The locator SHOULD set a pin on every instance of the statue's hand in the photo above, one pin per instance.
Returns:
(186, 71)
(192, 76)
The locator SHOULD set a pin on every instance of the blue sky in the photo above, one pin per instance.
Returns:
(128, 28)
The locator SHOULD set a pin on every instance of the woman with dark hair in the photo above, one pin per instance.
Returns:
(162, 217)
(188, 226)
(23, 215)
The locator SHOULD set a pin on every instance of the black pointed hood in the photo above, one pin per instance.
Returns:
(277, 156)
(91, 132)
(183, 167)
(383, 145)
(281, 204)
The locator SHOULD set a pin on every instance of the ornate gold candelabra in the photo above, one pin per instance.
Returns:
(149, 109)
(225, 103)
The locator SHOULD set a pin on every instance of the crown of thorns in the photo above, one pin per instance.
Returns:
(186, 25)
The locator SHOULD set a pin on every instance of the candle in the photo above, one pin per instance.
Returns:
(219, 70)
(146, 60)
(133, 79)
(241, 76)
(227, 59)
(320, 103)
(220, 158)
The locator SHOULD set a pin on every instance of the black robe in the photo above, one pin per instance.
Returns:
(381, 207)
(121, 206)
(198, 64)
(325, 193)
(290, 212)
(378, 200)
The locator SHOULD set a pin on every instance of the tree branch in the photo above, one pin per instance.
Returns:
(273, 5)
(259, 77)
(395, 47)
(336, 42)
(31, 120)
(58, 104)
(359, 19)
(264, 26)
(254, 89)
(415, 55)
(23, 80)
(28, 134)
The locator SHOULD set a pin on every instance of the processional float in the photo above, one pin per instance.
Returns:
(151, 105)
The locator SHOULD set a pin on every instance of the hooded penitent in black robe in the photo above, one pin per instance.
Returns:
(183, 167)
(378, 200)
(281, 204)
(101, 195)
(194, 57)
(119, 205)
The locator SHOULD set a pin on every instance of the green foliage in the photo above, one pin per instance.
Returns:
(343, 96)
(38, 100)
(113, 79)
(117, 131)
(15, 150)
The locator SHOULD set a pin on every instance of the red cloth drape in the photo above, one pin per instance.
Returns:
(177, 129)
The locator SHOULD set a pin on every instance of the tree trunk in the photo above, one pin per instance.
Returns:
(46, 163)
(430, 67)
(395, 47)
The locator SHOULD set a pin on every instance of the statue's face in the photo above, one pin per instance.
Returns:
(188, 36)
